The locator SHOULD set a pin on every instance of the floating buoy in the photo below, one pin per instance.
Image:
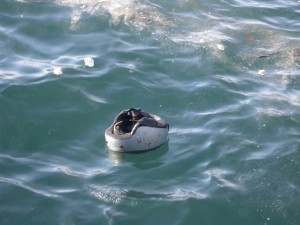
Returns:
(134, 130)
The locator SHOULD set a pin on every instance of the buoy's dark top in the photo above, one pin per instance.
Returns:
(129, 120)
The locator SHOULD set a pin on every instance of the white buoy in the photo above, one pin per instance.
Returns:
(134, 130)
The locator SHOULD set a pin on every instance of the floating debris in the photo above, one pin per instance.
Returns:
(261, 72)
(89, 62)
(248, 37)
(57, 71)
(221, 47)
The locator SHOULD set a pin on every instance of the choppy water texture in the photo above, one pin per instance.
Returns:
(224, 74)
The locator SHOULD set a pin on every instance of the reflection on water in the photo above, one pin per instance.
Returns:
(225, 74)
(247, 47)
(134, 198)
(20, 184)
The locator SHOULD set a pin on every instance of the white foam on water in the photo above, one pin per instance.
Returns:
(143, 16)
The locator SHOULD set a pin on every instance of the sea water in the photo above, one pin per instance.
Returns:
(224, 74)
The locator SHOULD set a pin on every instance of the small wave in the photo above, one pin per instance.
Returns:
(94, 98)
(107, 195)
(20, 184)
(75, 173)
(220, 175)
(132, 197)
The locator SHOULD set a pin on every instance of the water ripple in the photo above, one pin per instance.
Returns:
(133, 197)
(21, 184)
(224, 74)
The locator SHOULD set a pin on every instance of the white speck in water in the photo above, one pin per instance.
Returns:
(89, 62)
(57, 71)
(261, 72)
(221, 47)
